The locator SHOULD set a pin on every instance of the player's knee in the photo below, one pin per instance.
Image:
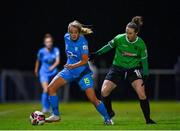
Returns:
(45, 90)
(104, 93)
(51, 91)
(94, 100)
(142, 96)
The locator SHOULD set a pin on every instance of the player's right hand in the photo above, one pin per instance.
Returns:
(92, 56)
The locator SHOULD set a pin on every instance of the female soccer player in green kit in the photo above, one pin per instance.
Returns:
(130, 56)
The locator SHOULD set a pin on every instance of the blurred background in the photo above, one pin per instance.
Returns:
(24, 23)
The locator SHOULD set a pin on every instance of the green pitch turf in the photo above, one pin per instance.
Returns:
(83, 116)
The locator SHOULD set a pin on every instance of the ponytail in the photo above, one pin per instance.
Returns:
(136, 23)
(85, 31)
(82, 30)
(138, 20)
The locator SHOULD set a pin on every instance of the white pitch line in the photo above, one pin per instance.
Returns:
(10, 111)
(5, 112)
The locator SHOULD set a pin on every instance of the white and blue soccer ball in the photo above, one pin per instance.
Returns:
(37, 118)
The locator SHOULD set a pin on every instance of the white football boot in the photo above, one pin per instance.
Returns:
(109, 122)
(53, 118)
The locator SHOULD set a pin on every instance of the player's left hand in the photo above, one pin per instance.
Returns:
(69, 66)
(92, 56)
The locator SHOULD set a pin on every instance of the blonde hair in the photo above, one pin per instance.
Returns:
(79, 26)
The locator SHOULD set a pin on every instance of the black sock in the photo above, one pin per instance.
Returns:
(145, 108)
(107, 103)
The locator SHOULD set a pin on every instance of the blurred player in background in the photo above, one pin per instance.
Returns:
(48, 58)
(76, 69)
(130, 55)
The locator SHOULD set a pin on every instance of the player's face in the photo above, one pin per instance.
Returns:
(48, 43)
(74, 33)
(131, 34)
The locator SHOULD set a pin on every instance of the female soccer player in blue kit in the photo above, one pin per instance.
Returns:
(76, 69)
(49, 59)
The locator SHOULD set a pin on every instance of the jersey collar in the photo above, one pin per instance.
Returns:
(133, 41)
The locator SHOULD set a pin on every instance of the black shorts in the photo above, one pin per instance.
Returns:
(117, 74)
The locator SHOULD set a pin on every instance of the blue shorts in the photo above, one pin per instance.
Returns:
(85, 81)
(45, 78)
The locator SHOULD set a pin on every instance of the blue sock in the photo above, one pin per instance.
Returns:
(54, 104)
(45, 101)
(102, 110)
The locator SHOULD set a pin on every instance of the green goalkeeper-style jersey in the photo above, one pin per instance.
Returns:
(127, 54)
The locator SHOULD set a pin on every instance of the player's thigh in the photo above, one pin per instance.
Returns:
(86, 82)
(140, 90)
(107, 87)
(112, 79)
(59, 80)
(135, 78)
(55, 84)
(134, 74)
(43, 78)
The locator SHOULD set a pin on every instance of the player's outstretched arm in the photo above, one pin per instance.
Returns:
(101, 51)
(92, 56)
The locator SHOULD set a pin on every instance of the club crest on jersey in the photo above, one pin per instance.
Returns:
(85, 47)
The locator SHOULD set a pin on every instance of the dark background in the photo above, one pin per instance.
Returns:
(23, 24)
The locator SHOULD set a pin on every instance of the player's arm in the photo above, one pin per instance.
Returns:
(56, 63)
(57, 60)
(78, 64)
(37, 63)
(36, 67)
(109, 46)
(144, 60)
(106, 48)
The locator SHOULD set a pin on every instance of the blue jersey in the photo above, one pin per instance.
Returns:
(74, 51)
(47, 59)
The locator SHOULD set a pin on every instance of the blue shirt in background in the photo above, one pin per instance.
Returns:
(47, 59)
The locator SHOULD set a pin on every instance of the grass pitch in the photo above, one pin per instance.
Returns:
(83, 116)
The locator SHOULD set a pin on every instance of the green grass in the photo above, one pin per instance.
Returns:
(83, 116)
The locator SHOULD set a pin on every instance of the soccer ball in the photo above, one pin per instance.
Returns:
(37, 118)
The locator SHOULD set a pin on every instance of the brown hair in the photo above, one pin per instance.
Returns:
(48, 35)
(136, 23)
(79, 26)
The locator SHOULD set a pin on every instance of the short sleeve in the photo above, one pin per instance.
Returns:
(57, 52)
(84, 47)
